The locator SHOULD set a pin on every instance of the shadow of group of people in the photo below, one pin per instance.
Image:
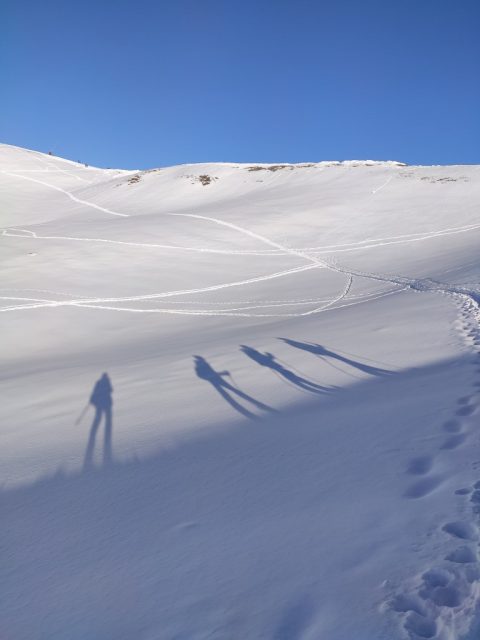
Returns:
(228, 389)
(224, 384)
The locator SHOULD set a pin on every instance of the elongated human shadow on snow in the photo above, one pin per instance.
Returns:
(323, 352)
(101, 399)
(217, 379)
(269, 360)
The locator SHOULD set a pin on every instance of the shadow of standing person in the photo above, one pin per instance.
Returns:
(270, 361)
(322, 352)
(217, 379)
(101, 399)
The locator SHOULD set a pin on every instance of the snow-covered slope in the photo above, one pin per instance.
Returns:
(295, 359)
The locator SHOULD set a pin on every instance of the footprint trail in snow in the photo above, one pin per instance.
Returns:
(441, 601)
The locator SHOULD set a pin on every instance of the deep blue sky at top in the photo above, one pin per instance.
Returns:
(160, 82)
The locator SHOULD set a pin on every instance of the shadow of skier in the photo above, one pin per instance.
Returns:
(217, 379)
(269, 360)
(323, 352)
(101, 399)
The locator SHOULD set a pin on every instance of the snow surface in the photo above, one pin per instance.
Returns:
(325, 487)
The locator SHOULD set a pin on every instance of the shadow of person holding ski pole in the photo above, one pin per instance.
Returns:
(324, 353)
(217, 379)
(271, 362)
(101, 400)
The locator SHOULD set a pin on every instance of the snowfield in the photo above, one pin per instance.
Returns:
(292, 452)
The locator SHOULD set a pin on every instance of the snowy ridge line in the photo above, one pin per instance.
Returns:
(67, 193)
(49, 164)
(44, 157)
(56, 170)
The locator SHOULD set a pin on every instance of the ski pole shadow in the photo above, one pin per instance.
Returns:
(101, 400)
(324, 353)
(226, 389)
(269, 360)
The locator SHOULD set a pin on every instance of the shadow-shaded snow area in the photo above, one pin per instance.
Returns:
(254, 532)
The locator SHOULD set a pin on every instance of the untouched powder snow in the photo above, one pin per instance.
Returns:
(293, 356)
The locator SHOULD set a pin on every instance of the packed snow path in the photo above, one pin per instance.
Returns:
(439, 602)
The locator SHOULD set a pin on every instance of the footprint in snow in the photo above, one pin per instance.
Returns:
(403, 603)
(462, 530)
(437, 590)
(420, 626)
(454, 441)
(444, 588)
(453, 426)
(463, 492)
(475, 497)
(423, 487)
(420, 466)
(465, 411)
(463, 555)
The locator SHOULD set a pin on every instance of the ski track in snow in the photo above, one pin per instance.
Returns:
(99, 303)
(359, 245)
(276, 249)
(441, 601)
(22, 233)
(67, 193)
(50, 163)
(471, 297)
(166, 294)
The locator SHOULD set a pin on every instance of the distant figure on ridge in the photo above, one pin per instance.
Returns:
(101, 399)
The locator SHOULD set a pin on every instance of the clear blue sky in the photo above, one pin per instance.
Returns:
(147, 83)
